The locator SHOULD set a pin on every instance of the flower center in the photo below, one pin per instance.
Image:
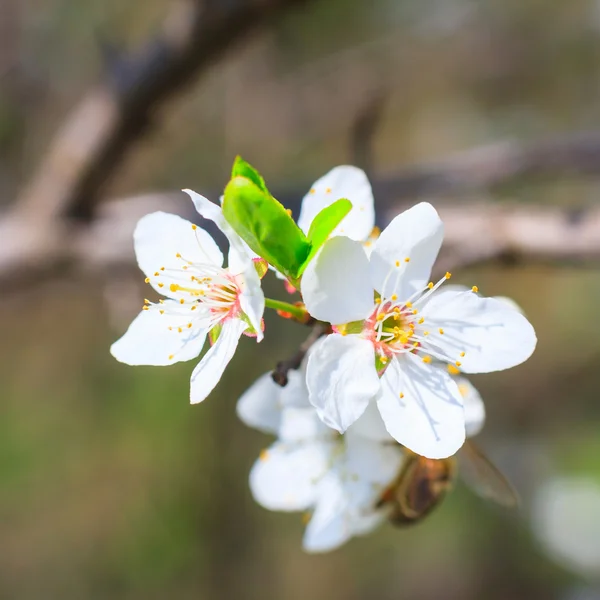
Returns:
(396, 327)
(204, 292)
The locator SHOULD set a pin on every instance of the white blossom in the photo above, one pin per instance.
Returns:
(393, 330)
(337, 480)
(183, 263)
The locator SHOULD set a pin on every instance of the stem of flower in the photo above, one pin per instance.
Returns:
(297, 311)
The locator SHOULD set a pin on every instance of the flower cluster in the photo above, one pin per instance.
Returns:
(383, 381)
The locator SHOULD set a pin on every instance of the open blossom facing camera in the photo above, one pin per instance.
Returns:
(336, 480)
(375, 395)
(183, 263)
(394, 328)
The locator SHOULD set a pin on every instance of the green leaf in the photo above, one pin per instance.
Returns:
(264, 224)
(322, 226)
(243, 169)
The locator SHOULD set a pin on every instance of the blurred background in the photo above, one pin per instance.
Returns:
(112, 485)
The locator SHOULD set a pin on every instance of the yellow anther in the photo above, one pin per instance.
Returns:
(407, 259)
(458, 363)
(185, 267)
(179, 329)
(312, 191)
(448, 275)
(145, 308)
(288, 211)
(475, 289)
(171, 356)
(182, 301)
(401, 395)
(174, 287)
(156, 274)
(194, 227)
(396, 310)
(377, 300)
(380, 316)
(160, 285)
(146, 301)
(441, 331)
(162, 312)
(189, 325)
(194, 307)
(427, 359)
(162, 268)
(328, 191)
(397, 263)
(462, 354)
(178, 255)
(426, 333)
(408, 305)
(415, 311)
(170, 328)
(147, 280)
(394, 297)
(264, 454)
(161, 301)
(430, 285)
(421, 320)
(453, 370)
(384, 360)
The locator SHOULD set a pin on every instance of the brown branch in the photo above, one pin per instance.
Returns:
(90, 147)
(489, 166)
(513, 234)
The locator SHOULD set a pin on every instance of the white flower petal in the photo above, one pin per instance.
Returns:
(473, 405)
(209, 370)
(341, 182)
(252, 299)
(260, 406)
(336, 286)
(160, 237)
(429, 417)
(342, 379)
(287, 475)
(148, 341)
(370, 426)
(416, 235)
(328, 527)
(491, 333)
(303, 424)
(238, 256)
(371, 462)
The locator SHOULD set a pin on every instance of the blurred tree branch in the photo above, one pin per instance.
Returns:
(91, 144)
(485, 167)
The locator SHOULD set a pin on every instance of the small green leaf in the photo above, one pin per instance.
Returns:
(264, 224)
(322, 226)
(243, 169)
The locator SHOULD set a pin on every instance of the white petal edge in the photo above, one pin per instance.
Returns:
(158, 240)
(490, 332)
(260, 405)
(336, 286)
(347, 182)
(429, 418)
(342, 380)
(416, 235)
(148, 340)
(287, 475)
(473, 406)
(209, 370)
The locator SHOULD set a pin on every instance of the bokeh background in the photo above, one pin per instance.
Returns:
(113, 486)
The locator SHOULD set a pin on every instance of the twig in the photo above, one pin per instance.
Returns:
(498, 164)
(280, 373)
